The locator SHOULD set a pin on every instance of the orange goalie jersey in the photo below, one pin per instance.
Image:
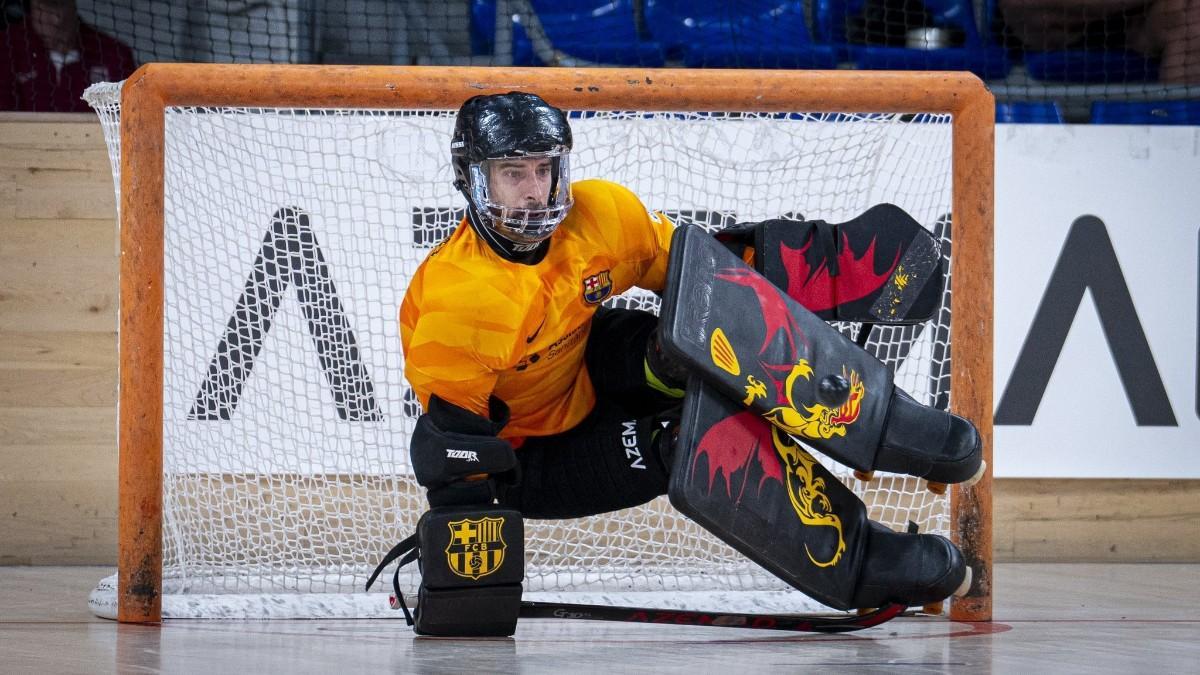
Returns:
(473, 325)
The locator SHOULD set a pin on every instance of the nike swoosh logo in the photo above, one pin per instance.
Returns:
(531, 338)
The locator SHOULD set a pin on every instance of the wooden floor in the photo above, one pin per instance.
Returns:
(1049, 618)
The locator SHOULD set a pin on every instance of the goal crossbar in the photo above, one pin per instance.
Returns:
(155, 87)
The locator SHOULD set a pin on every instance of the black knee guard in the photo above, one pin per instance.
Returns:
(664, 373)
(472, 564)
(457, 456)
(626, 366)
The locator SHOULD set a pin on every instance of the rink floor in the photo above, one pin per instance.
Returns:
(1077, 618)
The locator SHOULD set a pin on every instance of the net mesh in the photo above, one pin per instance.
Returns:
(290, 237)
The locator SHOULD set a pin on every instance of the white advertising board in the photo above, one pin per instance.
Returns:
(1116, 395)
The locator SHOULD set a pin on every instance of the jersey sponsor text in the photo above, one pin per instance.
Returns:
(629, 440)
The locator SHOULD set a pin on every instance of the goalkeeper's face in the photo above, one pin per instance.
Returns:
(523, 198)
(519, 183)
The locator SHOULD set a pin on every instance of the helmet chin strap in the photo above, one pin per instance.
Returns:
(505, 248)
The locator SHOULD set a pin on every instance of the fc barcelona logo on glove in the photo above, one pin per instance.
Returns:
(597, 287)
(476, 547)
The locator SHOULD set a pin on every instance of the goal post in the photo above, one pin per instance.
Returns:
(232, 94)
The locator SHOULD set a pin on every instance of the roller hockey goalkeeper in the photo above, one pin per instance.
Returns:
(765, 371)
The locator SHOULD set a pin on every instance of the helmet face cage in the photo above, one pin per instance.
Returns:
(518, 224)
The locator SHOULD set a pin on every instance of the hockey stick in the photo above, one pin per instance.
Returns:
(406, 551)
(802, 623)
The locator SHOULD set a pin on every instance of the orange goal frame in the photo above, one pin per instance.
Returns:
(155, 87)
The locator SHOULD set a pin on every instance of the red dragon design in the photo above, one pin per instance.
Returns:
(814, 287)
(740, 441)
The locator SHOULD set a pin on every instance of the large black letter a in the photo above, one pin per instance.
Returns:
(289, 256)
(1087, 261)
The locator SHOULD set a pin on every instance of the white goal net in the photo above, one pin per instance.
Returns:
(290, 238)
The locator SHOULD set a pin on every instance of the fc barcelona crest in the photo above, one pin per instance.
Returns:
(597, 287)
(476, 547)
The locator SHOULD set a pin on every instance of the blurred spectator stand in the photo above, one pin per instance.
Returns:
(909, 35)
(53, 56)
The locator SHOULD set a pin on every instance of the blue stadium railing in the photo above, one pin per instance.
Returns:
(1146, 112)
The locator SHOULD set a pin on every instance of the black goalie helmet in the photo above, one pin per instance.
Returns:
(510, 154)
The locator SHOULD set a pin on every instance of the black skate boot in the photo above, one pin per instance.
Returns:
(910, 569)
(928, 443)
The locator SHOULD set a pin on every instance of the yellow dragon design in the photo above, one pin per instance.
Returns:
(817, 420)
(807, 492)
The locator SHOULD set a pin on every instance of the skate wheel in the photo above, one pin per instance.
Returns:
(936, 488)
(393, 602)
(965, 586)
(864, 476)
(978, 475)
(933, 608)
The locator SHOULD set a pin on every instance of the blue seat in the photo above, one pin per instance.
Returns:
(593, 30)
(1146, 112)
(745, 34)
(1090, 67)
(1029, 112)
(975, 54)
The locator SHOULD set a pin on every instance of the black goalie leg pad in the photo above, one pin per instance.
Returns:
(928, 443)
(759, 491)
(880, 267)
(756, 489)
(757, 345)
(472, 565)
